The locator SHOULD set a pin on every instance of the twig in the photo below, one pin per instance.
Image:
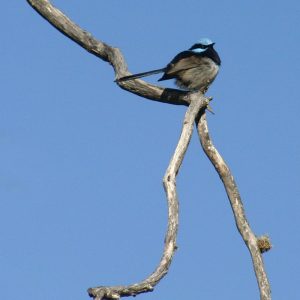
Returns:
(253, 243)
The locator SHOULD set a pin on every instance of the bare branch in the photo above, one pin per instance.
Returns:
(252, 242)
(107, 53)
(198, 102)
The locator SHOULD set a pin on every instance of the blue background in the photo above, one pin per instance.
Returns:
(82, 161)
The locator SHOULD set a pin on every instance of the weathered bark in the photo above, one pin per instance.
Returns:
(196, 103)
(107, 53)
(252, 242)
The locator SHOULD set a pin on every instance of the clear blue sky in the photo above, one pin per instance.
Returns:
(82, 161)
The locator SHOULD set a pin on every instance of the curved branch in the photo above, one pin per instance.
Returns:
(107, 53)
(255, 245)
(171, 96)
(198, 102)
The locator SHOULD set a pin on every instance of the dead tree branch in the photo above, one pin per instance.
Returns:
(251, 241)
(198, 102)
(107, 53)
(196, 106)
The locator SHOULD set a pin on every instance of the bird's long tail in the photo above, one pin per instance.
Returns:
(139, 75)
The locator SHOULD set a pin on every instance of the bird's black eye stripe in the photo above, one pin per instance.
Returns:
(197, 46)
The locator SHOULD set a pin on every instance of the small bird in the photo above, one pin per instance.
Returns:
(194, 69)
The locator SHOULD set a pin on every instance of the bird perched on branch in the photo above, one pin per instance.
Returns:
(194, 69)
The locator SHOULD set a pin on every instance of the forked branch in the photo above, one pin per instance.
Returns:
(196, 102)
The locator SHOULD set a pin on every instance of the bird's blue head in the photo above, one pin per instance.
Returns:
(202, 45)
(205, 42)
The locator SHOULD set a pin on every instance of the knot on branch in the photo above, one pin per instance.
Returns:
(104, 293)
(264, 243)
(116, 292)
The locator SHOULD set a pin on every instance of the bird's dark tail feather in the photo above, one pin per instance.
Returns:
(139, 75)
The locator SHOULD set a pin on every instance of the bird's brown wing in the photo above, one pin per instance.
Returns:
(183, 61)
